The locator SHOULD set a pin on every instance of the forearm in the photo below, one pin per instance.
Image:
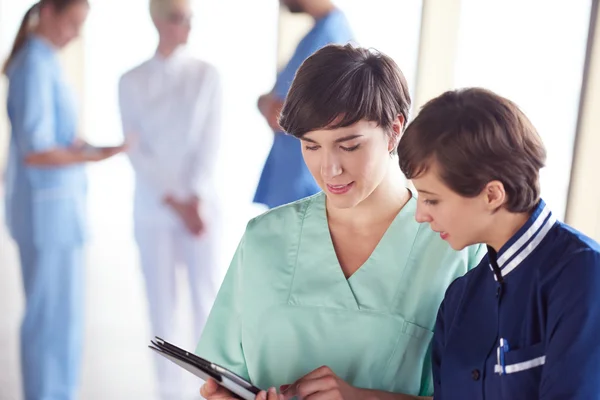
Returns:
(270, 107)
(56, 157)
(380, 395)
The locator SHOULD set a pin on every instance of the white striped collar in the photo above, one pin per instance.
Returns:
(522, 244)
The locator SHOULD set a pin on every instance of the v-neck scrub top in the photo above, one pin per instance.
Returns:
(285, 307)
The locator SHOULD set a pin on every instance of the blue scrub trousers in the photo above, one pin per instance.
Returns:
(52, 328)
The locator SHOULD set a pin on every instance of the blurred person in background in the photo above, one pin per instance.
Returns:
(46, 196)
(285, 177)
(170, 110)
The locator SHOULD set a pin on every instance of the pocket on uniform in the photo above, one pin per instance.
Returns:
(523, 372)
(409, 369)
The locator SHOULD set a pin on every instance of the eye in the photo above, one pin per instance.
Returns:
(430, 202)
(350, 148)
(312, 148)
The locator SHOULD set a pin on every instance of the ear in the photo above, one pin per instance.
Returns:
(45, 10)
(494, 195)
(397, 128)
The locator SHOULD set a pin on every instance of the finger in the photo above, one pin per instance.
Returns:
(262, 395)
(216, 392)
(317, 373)
(272, 394)
(208, 388)
(332, 394)
(283, 388)
(309, 385)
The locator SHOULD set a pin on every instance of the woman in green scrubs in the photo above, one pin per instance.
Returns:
(347, 278)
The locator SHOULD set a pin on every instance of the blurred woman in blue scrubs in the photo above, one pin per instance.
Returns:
(45, 197)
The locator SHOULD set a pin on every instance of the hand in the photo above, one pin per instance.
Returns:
(95, 154)
(189, 212)
(321, 384)
(193, 219)
(270, 395)
(211, 390)
(270, 107)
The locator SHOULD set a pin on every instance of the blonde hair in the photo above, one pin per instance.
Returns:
(161, 8)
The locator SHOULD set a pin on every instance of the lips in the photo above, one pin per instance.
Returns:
(339, 189)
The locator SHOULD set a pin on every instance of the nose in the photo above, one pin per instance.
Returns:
(421, 215)
(330, 165)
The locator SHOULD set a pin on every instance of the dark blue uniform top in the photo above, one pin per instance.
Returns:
(524, 324)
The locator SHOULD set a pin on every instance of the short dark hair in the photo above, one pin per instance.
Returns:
(475, 136)
(339, 85)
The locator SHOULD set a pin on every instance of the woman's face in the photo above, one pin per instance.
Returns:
(175, 26)
(349, 163)
(461, 221)
(65, 24)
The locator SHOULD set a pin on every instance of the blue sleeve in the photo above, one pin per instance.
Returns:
(31, 106)
(310, 44)
(572, 362)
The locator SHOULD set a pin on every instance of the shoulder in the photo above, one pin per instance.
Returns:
(31, 61)
(453, 297)
(135, 75)
(570, 248)
(281, 220)
(337, 28)
(574, 239)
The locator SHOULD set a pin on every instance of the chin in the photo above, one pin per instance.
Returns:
(342, 202)
(457, 247)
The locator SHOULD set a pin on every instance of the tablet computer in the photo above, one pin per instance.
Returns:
(205, 369)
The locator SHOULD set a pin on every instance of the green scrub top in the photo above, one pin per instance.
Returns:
(285, 307)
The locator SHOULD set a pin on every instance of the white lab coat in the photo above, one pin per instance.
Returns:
(170, 109)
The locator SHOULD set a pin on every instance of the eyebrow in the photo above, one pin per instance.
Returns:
(427, 192)
(338, 140)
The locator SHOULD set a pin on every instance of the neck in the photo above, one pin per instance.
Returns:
(319, 9)
(504, 227)
(165, 49)
(383, 204)
(45, 34)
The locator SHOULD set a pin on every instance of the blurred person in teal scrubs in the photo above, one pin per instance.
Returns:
(45, 198)
(336, 295)
(285, 177)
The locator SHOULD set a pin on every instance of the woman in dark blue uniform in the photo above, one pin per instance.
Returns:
(524, 324)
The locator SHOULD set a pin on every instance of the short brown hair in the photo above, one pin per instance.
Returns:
(475, 136)
(339, 85)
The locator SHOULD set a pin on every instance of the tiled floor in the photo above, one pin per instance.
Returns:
(117, 363)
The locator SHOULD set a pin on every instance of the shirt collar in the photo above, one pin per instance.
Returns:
(331, 14)
(523, 243)
(42, 44)
(170, 62)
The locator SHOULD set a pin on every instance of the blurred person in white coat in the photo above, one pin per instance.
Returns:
(170, 109)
